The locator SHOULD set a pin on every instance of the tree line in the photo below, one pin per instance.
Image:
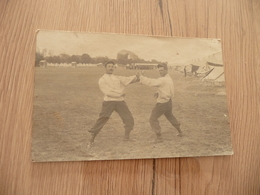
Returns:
(65, 58)
(86, 59)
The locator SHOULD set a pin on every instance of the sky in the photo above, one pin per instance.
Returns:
(174, 50)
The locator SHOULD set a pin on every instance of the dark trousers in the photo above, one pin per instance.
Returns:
(159, 110)
(107, 108)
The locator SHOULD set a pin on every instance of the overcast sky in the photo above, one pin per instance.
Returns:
(171, 49)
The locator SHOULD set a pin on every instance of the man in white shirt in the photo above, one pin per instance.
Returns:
(164, 97)
(113, 88)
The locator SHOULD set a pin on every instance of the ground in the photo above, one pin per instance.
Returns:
(67, 103)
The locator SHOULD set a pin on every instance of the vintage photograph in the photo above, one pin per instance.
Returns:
(101, 96)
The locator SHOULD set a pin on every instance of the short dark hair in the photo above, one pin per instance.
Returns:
(109, 62)
(163, 65)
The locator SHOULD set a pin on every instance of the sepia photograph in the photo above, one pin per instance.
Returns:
(101, 96)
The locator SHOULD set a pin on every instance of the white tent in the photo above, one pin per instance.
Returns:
(198, 67)
(203, 68)
(215, 63)
(216, 73)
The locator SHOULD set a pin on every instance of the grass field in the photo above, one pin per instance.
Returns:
(67, 103)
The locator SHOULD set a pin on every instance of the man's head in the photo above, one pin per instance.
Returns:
(163, 69)
(110, 67)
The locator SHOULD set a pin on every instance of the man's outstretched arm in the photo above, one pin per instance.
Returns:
(135, 80)
(150, 82)
(127, 80)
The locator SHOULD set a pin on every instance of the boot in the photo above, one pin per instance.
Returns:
(91, 141)
(158, 139)
(179, 131)
(127, 136)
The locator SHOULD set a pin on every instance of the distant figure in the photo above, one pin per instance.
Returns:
(185, 72)
(113, 88)
(164, 97)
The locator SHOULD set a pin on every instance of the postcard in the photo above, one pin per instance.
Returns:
(101, 96)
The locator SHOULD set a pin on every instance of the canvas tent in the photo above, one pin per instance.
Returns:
(199, 67)
(43, 63)
(74, 64)
(215, 63)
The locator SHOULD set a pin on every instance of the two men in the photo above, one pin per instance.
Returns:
(113, 88)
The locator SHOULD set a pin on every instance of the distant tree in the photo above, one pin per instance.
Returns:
(64, 58)
(53, 59)
(50, 53)
(75, 58)
(56, 59)
(39, 56)
(85, 58)
(104, 59)
(100, 59)
(48, 59)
